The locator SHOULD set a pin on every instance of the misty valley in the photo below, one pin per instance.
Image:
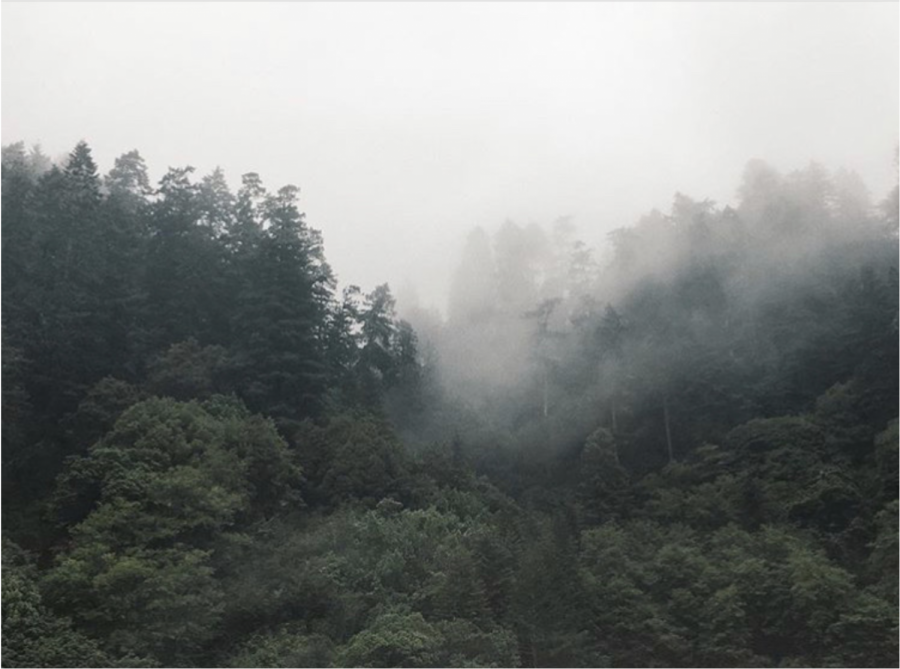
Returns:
(679, 449)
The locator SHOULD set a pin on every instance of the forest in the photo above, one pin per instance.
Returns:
(680, 450)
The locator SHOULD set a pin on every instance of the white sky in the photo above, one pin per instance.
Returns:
(406, 124)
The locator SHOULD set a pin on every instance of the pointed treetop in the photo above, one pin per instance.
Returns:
(129, 175)
(81, 162)
(82, 173)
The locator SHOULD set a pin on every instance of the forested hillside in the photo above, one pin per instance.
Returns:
(680, 452)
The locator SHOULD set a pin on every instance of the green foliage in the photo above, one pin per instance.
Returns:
(279, 344)
(548, 600)
(189, 467)
(285, 647)
(33, 636)
(882, 567)
(163, 603)
(401, 639)
(168, 478)
(394, 640)
(398, 553)
(98, 411)
(775, 460)
(465, 645)
(456, 589)
(604, 482)
(755, 596)
(188, 371)
(866, 634)
(887, 444)
(687, 457)
(17, 451)
(354, 457)
(685, 493)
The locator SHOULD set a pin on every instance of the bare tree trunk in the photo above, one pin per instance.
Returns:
(668, 429)
(545, 392)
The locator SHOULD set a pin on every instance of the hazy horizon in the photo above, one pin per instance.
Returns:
(405, 125)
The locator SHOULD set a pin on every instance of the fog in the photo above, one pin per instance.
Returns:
(583, 354)
(531, 306)
(406, 125)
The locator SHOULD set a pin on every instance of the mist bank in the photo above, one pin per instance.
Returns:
(688, 323)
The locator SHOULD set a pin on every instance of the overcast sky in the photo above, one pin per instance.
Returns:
(406, 124)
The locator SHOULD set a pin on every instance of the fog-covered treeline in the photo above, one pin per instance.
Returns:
(692, 322)
(679, 452)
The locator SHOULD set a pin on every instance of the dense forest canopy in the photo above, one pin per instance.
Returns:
(681, 453)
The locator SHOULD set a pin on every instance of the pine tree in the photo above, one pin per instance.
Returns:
(280, 314)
